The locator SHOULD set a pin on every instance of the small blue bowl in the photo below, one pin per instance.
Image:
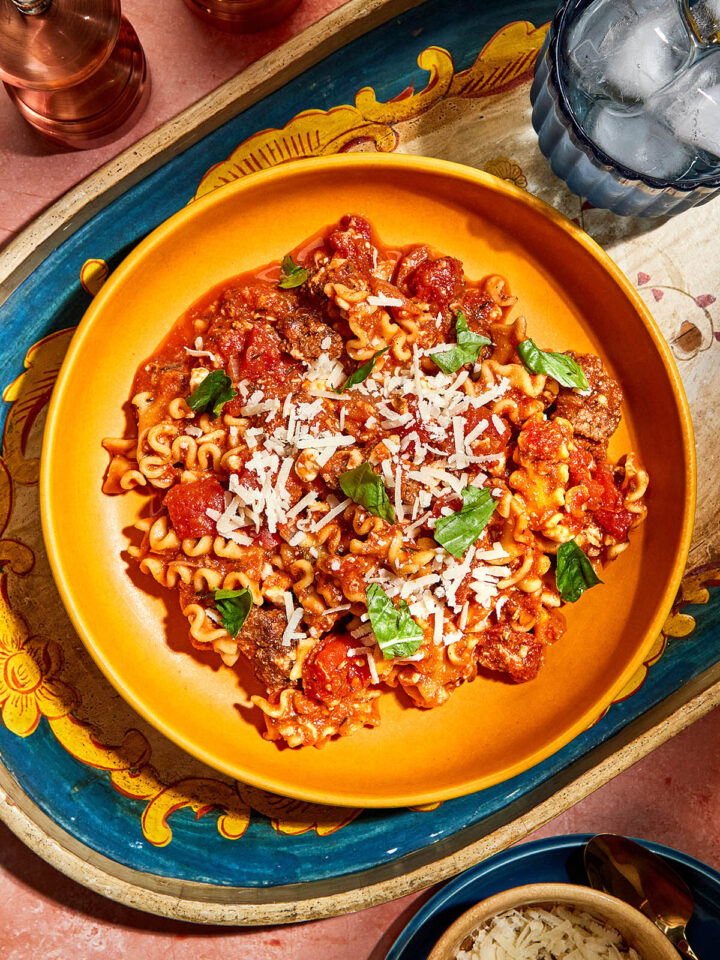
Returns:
(574, 158)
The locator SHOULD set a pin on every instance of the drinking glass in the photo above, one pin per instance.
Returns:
(602, 108)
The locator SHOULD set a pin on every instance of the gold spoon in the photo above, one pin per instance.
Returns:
(628, 871)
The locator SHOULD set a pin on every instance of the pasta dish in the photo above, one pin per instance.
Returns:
(361, 474)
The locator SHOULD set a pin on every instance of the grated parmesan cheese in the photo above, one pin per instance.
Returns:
(367, 651)
(293, 622)
(560, 933)
(381, 300)
(330, 516)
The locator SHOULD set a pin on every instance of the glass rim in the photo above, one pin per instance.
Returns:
(556, 34)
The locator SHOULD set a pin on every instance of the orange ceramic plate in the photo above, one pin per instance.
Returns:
(573, 296)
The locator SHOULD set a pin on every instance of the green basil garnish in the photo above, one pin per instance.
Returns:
(574, 573)
(293, 275)
(233, 607)
(397, 633)
(365, 487)
(559, 366)
(462, 528)
(468, 349)
(363, 372)
(212, 394)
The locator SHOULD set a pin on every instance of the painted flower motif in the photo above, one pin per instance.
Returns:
(506, 170)
(29, 687)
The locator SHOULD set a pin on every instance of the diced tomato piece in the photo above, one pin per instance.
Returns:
(451, 500)
(351, 221)
(418, 426)
(267, 540)
(354, 245)
(478, 309)
(543, 439)
(437, 281)
(474, 415)
(610, 514)
(580, 464)
(329, 674)
(233, 408)
(615, 522)
(610, 496)
(264, 356)
(408, 264)
(187, 504)
(231, 342)
(492, 439)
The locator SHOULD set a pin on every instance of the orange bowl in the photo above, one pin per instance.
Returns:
(574, 298)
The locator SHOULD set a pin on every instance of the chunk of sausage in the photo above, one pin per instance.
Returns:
(260, 640)
(596, 416)
(309, 338)
(511, 652)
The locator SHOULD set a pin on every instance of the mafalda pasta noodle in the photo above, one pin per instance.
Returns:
(362, 473)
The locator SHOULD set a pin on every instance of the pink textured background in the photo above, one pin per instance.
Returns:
(672, 796)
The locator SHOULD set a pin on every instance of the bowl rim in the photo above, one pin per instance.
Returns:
(529, 894)
(52, 447)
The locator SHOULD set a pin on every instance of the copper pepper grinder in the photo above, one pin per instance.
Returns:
(75, 69)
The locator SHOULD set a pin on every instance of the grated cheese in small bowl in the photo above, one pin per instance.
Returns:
(558, 932)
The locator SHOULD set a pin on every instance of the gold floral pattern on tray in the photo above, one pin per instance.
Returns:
(30, 686)
(506, 60)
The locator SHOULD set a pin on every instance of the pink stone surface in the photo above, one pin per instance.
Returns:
(672, 796)
(188, 58)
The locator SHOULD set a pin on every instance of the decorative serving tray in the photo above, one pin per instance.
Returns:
(87, 783)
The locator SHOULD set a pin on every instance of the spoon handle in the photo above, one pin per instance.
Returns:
(684, 948)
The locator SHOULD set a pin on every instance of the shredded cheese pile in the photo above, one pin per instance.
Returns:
(294, 427)
(533, 933)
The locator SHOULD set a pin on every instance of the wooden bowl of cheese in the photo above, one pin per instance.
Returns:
(557, 918)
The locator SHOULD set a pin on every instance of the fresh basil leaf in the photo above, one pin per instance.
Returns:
(397, 633)
(559, 366)
(462, 528)
(212, 394)
(233, 607)
(574, 573)
(363, 372)
(365, 487)
(468, 349)
(293, 275)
